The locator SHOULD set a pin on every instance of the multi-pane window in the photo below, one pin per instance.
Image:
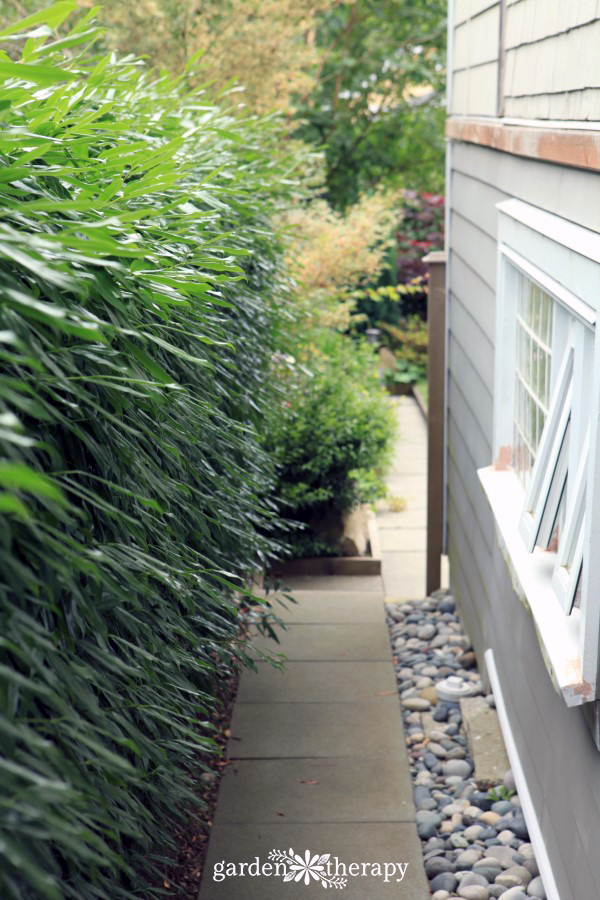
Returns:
(544, 485)
(533, 372)
(552, 349)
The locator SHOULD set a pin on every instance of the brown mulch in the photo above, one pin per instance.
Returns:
(183, 876)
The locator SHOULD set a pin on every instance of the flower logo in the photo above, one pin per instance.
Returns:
(307, 868)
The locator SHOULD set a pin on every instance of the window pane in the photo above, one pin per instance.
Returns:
(532, 390)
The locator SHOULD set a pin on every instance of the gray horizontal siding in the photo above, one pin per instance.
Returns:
(471, 336)
(477, 394)
(476, 296)
(548, 747)
(560, 760)
(461, 585)
(570, 193)
(460, 461)
(467, 238)
(473, 198)
(470, 428)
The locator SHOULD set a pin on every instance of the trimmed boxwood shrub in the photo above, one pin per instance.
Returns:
(141, 298)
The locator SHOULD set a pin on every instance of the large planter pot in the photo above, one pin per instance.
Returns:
(399, 390)
(370, 564)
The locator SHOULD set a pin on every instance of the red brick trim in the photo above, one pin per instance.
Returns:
(566, 147)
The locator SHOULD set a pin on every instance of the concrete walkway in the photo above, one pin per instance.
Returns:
(403, 533)
(318, 753)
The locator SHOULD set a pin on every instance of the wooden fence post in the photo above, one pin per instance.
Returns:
(436, 379)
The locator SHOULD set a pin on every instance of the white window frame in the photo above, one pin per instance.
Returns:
(564, 260)
(549, 474)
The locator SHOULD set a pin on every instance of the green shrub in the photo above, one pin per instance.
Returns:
(403, 373)
(404, 283)
(331, 437)
(408, 341)
(140, 304)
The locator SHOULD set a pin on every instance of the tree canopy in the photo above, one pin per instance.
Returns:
(377, 105)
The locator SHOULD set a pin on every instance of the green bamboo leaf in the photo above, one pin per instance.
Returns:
(35, 73)
(52, 16)
(18, 476)
(11, 504)
(40, 32)
(71, 40)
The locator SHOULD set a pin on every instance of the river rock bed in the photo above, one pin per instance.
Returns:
(475, 843)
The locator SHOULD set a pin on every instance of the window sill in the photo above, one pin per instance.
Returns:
(531, 573)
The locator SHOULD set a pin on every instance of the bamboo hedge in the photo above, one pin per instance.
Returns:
(141, 298)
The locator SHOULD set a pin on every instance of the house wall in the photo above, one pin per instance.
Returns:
(475, 54)
(561, 762)
(552, 62)
(526, 59)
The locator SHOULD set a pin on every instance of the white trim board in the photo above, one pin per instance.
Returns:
(533, 826)
(447, 316)
(575, 305)
(581, 240)
(531, 575)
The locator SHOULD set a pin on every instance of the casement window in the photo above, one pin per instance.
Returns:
(554, 358)
(544, 485)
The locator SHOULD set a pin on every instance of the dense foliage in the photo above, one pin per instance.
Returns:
(420, 231)
(377, 105)
(332, 429)
(361, 79)
(331, 435)
(408, 341)
(333, 255)
(138, 275)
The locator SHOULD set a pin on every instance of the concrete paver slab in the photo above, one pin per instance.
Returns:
(376, 842)
(331, 642)
(404, 574)
(317, 682)
(408, 460)
(364, 583)
(411, 487)
(282, 730)
(407, 465)
(314, 607)
(485, 741)
(414, 516)
(316, 790)
(401, 539)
